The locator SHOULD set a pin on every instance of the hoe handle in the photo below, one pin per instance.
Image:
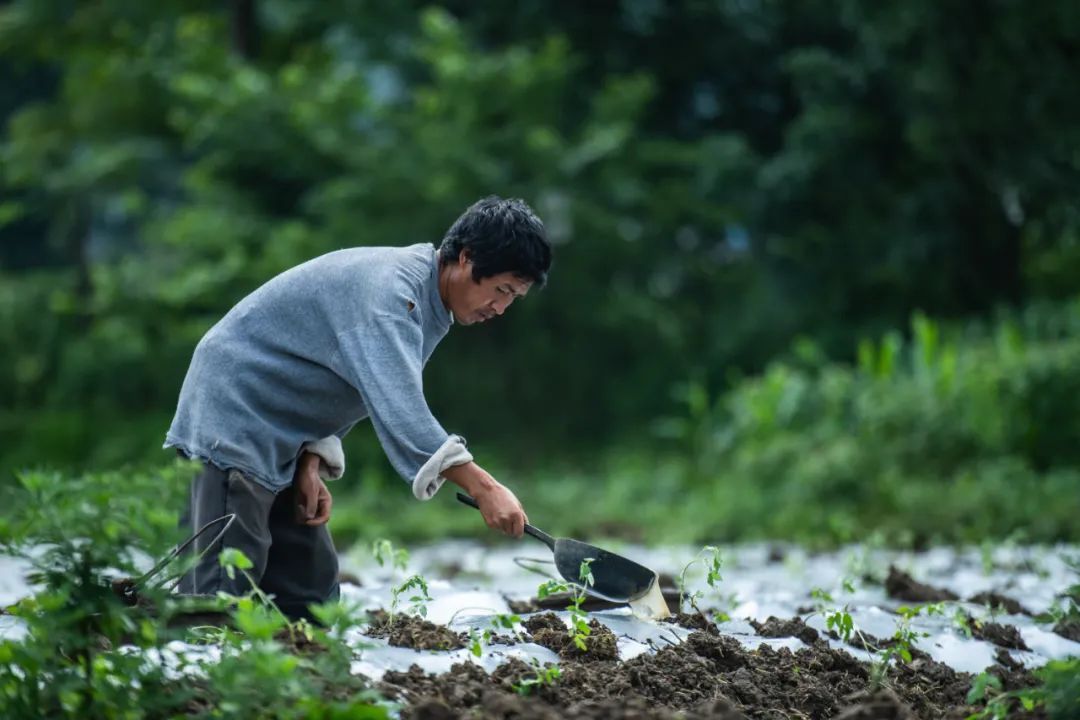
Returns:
(529, 529)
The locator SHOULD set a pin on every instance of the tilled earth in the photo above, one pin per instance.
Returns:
(708, 675)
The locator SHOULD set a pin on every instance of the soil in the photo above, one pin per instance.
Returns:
(692, 621)
(776, 628)
(1005, 636)
(1068, 629)
(999, 602)
(706, 676)
(550, 632)
(413, 632)
(901, 586)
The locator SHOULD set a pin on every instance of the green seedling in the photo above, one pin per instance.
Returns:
(385, 553)
(713, 561)
(986, 688)
(478, 639)
(904, 640)
(837, 620)
(417, 601)
(233, 561)
(579, 626)
(542, 675)
(963, 622)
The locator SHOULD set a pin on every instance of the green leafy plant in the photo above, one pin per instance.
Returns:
(386, 554)
(542, 675)
(713, 561)
(579, 625)
(902, 641)
(836, 619)
(96, 646)
(417, 602)
(998, 705)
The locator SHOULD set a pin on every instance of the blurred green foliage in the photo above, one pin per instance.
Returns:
(719, 179)
(958, 434)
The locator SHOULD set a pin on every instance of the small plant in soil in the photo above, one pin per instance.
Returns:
(479, 638)
(386, 554)
(542, 675)
(903, 640)
(417, 602)
(713, 561)
(837, 620)
(579, 626)
(986, 688)
(962, 621)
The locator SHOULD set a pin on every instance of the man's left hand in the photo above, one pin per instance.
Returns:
(313, 500)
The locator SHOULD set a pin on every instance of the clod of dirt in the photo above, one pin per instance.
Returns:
(1006, 636)
(550, 632)
(901, 586)
(600, 644)
(1005, 660)
(299, 643)
(692, 621)
(776, 628)
(996, 601)
(413, 632)
(881, 705)
(1068, 629)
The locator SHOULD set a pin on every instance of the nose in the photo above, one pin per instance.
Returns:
(499, 306)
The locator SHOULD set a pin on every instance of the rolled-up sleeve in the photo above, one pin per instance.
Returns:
(382, 358)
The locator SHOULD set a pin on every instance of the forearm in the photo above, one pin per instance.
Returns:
(471, 478)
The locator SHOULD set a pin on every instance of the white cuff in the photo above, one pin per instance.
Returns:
(331, 456)
(428, 479)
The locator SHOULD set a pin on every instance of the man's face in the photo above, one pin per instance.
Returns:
(475, 302)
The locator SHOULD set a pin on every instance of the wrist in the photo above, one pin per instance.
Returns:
(471, 478)
(309, 461)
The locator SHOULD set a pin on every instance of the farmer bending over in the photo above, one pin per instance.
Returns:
(274, 386)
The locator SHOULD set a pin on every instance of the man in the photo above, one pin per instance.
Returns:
(274, 386)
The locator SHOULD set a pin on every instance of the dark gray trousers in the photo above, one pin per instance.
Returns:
(295, 564)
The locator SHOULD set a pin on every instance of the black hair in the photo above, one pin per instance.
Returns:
(499, 236)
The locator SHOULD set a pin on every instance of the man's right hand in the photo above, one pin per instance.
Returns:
(502, 510)
(500, 507)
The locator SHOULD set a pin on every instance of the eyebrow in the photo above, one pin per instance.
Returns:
(512, 289)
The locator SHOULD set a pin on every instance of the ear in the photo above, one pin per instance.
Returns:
(463, 259)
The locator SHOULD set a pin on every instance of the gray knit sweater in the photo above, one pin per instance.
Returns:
(316, 349)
